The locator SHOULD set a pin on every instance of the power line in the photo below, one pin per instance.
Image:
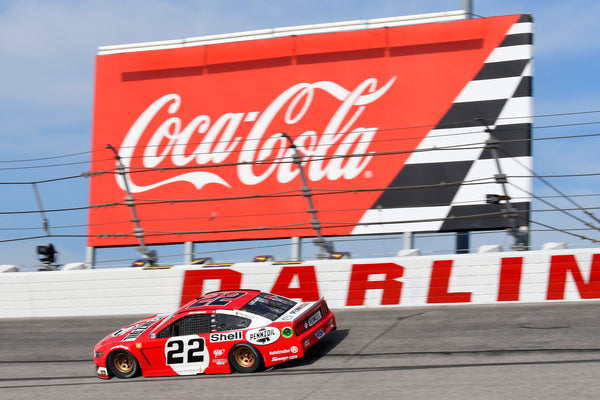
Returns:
(534, 127)
(330, 191)
(320, 158)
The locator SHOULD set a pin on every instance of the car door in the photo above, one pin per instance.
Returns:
(180, 347)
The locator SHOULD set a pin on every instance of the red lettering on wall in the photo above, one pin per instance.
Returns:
(560, 265)
(510, 279)
(308, 289)
(438, 286)
(360, 283)
(193, 281)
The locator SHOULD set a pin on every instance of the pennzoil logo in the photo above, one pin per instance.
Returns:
(263, 336)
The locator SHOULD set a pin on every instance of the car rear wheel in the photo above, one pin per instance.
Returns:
(123, 364)
(244, 358)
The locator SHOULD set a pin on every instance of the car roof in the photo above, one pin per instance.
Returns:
(222, 299)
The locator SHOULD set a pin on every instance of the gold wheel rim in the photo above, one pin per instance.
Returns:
(123, 363)
(245, 357)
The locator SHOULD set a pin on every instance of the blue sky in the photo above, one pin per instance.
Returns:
(47, 53)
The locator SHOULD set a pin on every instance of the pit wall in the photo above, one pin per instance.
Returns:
(403, 281)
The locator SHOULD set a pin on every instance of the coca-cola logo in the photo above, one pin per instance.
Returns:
(339, 151)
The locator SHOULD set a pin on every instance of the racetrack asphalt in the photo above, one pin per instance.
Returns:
(509, 351)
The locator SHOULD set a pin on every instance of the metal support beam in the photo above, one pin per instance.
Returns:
(326, 246)
(188, 253)
(149, 256)
(521, 237)
(468, 7)
(463, 242)
(409, 240)
(90, 256)
(296, 249)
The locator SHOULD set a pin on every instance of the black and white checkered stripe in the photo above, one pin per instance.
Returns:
(425, 195)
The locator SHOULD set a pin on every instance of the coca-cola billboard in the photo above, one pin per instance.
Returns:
(198, 130)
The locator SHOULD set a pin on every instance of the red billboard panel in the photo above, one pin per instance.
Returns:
(198, 129)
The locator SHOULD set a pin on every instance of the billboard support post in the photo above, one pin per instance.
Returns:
(188, 250)
(468, 7)
(90, 255)
(326, 247)
(409, 240)
(296, 250)
(463, 242)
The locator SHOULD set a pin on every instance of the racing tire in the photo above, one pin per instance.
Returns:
(244, 358)
(123, 364)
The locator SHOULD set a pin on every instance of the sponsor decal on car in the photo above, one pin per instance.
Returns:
(282, 359)
(319, 334)
(225, 337)
(293, 350)
(141, 328)
(122, 331)
(294, 311)
(187, 355)
(313, 319)
(102, 371)
(219, 352)
(263, 336)
(287, 332)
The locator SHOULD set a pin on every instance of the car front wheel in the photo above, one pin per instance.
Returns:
(123, 364)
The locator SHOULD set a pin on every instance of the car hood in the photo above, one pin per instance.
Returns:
(133, 331)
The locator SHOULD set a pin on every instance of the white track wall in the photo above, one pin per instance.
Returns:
(482, 278)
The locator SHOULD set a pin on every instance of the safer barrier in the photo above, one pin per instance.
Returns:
(482, 278)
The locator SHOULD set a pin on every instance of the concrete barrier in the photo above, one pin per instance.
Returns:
(410, 280)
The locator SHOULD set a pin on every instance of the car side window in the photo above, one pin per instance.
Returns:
(190, 325)
(227, 322)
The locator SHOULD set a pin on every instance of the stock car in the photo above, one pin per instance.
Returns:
(219, 332)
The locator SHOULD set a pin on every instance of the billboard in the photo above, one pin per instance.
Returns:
(389, 122)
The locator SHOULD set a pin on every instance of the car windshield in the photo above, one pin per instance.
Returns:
(269, 306)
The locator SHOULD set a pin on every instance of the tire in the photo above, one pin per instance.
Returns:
(244, 358)
(123, 364)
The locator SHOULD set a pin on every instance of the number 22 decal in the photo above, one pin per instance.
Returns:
(185, 352)
(219, 299)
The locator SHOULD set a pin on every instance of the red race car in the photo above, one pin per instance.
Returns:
(220, 332)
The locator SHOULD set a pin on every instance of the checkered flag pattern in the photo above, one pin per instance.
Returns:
(445, 181)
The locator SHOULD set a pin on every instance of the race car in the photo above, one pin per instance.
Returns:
(219, 332)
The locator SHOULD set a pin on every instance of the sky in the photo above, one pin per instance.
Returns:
(48, 50)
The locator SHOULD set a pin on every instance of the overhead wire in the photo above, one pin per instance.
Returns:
(318, 191)
(534, 127)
